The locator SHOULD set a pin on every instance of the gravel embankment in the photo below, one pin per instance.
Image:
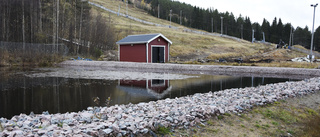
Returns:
(86, 73)
(144, 118)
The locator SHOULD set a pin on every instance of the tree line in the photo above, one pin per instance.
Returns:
(241, 27)
(71, 22)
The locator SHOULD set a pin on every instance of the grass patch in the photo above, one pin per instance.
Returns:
(257, 126)
(311, 111)
(312, 126)
(275, 123)
(220, 117)
(291, 132)
(286, 116)
(210, 130)
(282, 114)
(210, 122)
(268, 113)
(266, 126)
(163, 130)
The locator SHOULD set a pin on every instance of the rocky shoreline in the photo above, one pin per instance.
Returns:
(146, 118)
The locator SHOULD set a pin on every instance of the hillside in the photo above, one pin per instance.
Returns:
(188, 46)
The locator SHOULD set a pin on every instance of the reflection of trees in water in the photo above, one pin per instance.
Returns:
(28, 82)
(58, 95)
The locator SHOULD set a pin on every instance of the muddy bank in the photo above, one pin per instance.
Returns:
(198, 69)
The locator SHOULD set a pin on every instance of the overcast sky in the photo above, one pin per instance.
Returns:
(296, 12)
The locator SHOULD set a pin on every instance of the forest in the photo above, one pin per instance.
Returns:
(71, 22)
(241, 27)
(86, 31)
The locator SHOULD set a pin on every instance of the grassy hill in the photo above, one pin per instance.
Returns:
(188, 46)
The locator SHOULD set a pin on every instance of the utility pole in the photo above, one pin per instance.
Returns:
(252, 35)
(221, 25)
(54, 25)
(170, 17)
(57, 28)
(211, 24)
(127, 8)
(158, 10)
(314, 12)
(23, 29)
(180, 16)
(292, 43)
(290, 39)
(80, 30)
(119, 10)
(241, 31)
(40, 16)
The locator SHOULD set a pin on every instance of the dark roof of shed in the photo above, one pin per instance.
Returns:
(145, 38)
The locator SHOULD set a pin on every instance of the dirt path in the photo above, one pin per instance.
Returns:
(198, 69)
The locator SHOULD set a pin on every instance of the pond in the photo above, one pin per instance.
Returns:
(65, 90)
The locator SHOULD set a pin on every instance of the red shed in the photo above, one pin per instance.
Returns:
(150, 48)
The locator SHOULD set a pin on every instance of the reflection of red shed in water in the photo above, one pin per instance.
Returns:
(150, 48)
(154, 87)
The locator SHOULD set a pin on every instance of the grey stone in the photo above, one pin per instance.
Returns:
(107, 131)
(122, 126)
(123, 132)
(90, 108)
(41, 132)
(144, 131)
(169, 119)
(119, 135)
(45, 113)
(31, 114)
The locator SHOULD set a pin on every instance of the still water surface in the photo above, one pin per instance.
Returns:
(22, 94)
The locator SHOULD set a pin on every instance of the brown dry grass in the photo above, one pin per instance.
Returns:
(185, 44)
(28, 59)
(188, 47)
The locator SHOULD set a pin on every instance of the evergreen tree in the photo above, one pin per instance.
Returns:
(279, 30)
(302, 37)
(240, 22)
(286, 33)
(247, 29)
(316, 43)
(199, 18)
(265, 27)
(257, 31)
(273, 32)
